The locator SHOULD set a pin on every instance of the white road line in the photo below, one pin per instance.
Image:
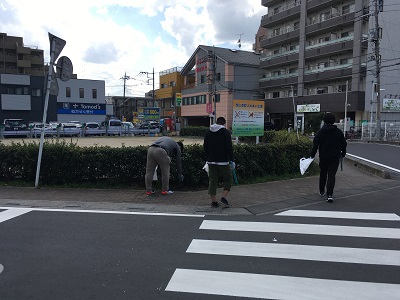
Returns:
(10, 213)
(370, 232)
(339, 215)
(1, 268)
(373, 162)
(301, 252)
(107, 212)
(277, 287)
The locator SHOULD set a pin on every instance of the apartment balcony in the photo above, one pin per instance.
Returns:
(8, 58)
(283, 37)
(328, 73)
(268, 3)
(37, 60)
(279, 59)
(280, 80)
(330, 47)
(23, 50)
(331, 22)
(315, 5)
(282, 15)
(23, 63)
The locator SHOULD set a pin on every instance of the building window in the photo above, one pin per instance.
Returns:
(276, 73)
(217, 97)
(322, 90)
(21, 91)
(36, 92)
(276, 31)
(202, 78)
(348, 9)
(296, 25)
(163, 85)
(81, 93)
(68, 92)
(324, 39)
(172, 83)
(275, 95)
(294, 47)
(292, 70)
(218, 77)
(277, 10)
(277, 51)
(94, 93)
(345, 34)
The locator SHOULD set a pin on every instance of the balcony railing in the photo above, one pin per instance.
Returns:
(264, 58)
(283, 31)
(336, 67)
(281, 9)
(279, 76)
(320, 19)
(345, 39)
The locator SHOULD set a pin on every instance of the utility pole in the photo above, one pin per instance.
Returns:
(376, 39)
(147, 73)
(125, 78)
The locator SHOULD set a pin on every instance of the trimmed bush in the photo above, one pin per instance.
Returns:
(68, 164)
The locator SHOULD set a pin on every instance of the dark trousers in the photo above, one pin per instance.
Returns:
(328, 169)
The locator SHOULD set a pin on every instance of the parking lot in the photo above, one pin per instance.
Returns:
(112, 141)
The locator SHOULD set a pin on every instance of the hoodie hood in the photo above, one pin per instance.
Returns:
(328, 127)
(216, 127)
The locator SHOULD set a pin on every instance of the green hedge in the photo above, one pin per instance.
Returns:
(68, 164)
(194, 131)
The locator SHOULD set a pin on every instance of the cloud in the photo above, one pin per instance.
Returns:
(101, 54)
(102, 47)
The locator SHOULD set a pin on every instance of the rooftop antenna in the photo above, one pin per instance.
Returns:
(239, 43)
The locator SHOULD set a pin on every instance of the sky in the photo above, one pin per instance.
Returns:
(107, 39)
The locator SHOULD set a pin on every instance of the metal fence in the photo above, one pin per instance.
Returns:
(390, 131)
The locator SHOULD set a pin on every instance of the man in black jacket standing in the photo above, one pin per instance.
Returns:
(219, 153)
(331, 144)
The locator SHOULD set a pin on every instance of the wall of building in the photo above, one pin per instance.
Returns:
(77, 108)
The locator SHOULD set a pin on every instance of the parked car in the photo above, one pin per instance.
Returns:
(14, 124)
(127, 125)
(91, 125)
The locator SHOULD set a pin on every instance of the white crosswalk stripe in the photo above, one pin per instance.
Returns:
(12, 213)
(273, 286)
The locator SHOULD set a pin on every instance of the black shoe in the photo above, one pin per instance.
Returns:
(322, 193)
(214, 204)
(330, 198)
(224, 202)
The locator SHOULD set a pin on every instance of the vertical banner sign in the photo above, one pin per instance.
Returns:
(178, 99)
(209, 108)
(248, 118)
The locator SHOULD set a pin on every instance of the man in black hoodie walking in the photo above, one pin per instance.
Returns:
(331, 144)
(219, 153)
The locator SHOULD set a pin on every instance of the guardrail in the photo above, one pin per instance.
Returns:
(63, 132)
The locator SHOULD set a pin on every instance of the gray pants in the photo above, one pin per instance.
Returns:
(157, 156)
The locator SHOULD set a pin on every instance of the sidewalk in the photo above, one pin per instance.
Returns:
(251, 199)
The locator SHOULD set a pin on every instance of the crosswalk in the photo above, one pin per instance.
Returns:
(267, 285)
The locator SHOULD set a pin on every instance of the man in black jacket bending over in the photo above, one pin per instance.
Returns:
(218, 148)
(332, 147)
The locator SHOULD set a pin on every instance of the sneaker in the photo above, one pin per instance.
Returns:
(224, 202)
(169, 192)
(148, 193)
(214, 204)
(322, 193)
(330, 199)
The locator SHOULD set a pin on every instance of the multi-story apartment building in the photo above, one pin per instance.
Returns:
(389, 51)
(312, 50)
(213, 78)
(171, 83)
(17, 58)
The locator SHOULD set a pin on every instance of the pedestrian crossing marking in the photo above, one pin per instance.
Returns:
(263, 286)
(300, 252)
(340, 215)
(12, 213)
(369, 232)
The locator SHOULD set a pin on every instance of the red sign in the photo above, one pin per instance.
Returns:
(209, 108)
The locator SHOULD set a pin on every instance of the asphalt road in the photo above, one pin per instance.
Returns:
(351, 254)
(385, 154)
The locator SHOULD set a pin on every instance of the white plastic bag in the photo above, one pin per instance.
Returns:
(155, 177)
(304, 164)
(205, 168)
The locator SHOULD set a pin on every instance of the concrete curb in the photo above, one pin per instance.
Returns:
(368, 167)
